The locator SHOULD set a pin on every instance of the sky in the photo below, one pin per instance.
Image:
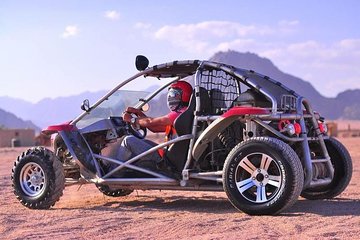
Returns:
(63, 48)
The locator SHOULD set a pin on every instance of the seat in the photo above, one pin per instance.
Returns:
(205, 102)
(251, 98)
(217, 101)
(176, 155)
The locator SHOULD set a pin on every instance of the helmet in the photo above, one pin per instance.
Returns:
(179, 95)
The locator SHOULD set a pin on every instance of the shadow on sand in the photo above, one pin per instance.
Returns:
(177, 203)
(330, 207)
(220, 205)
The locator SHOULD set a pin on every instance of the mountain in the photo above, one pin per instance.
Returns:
(348, 101)
(53, 111)
(49, 111)
(342, 106)
(266, 67)
(9, 120)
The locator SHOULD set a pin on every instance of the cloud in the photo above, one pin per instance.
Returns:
(330, 67)
(70, 31)
(112, 15)
(317, 54)
(208, 36)
(220, 35)
(141, 25)
(287, 27)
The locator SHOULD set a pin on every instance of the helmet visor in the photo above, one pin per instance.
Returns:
(174, 98)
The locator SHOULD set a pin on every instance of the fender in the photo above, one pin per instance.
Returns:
(57, 128)
(77, 146)
(222, 123)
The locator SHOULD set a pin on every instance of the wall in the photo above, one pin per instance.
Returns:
(25, 136)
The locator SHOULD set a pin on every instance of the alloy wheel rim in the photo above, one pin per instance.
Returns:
(32, 179)
(258, 177)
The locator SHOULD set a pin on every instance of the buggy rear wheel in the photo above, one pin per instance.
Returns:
(106, 190)
(262, 176)
(342, 163)
(38, 178)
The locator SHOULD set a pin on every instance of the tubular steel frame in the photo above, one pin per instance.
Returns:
(190, 179)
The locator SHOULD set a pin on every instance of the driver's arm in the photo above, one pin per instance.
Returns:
(157, 124)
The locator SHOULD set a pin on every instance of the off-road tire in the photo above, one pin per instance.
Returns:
(256, 195)
(342, 163)
(113, 193)
(38, 178)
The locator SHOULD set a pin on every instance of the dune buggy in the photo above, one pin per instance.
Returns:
(243, 133)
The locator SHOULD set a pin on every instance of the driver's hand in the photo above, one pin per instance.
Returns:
(135, 111)
(127, 116)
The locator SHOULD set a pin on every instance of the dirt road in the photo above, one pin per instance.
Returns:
(86, 214)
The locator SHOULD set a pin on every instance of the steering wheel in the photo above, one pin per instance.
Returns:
(137, 131)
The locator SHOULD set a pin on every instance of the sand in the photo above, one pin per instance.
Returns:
(84, 213)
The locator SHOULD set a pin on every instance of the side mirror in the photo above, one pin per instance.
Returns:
(85, 106)
(141, 62)
(145, 108)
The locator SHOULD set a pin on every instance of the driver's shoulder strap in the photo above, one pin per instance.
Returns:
(170, 132)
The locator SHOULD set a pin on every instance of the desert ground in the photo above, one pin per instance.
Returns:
(84, 213)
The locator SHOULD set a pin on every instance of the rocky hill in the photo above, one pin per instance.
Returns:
(343, 106)
(49, 111)
(9, 120)
(349, 102)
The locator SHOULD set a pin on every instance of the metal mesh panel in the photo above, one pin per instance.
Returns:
(288, 102)
(221, 87)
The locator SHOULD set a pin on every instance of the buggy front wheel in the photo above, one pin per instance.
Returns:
(262, 176)
(38, 178)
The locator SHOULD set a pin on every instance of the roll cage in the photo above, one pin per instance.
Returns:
(222, 84)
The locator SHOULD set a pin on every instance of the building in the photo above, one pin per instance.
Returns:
(17, 137)
(332, 129)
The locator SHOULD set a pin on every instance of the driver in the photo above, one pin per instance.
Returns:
(178, 98)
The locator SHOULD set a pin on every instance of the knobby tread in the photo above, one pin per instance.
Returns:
(56, 178)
